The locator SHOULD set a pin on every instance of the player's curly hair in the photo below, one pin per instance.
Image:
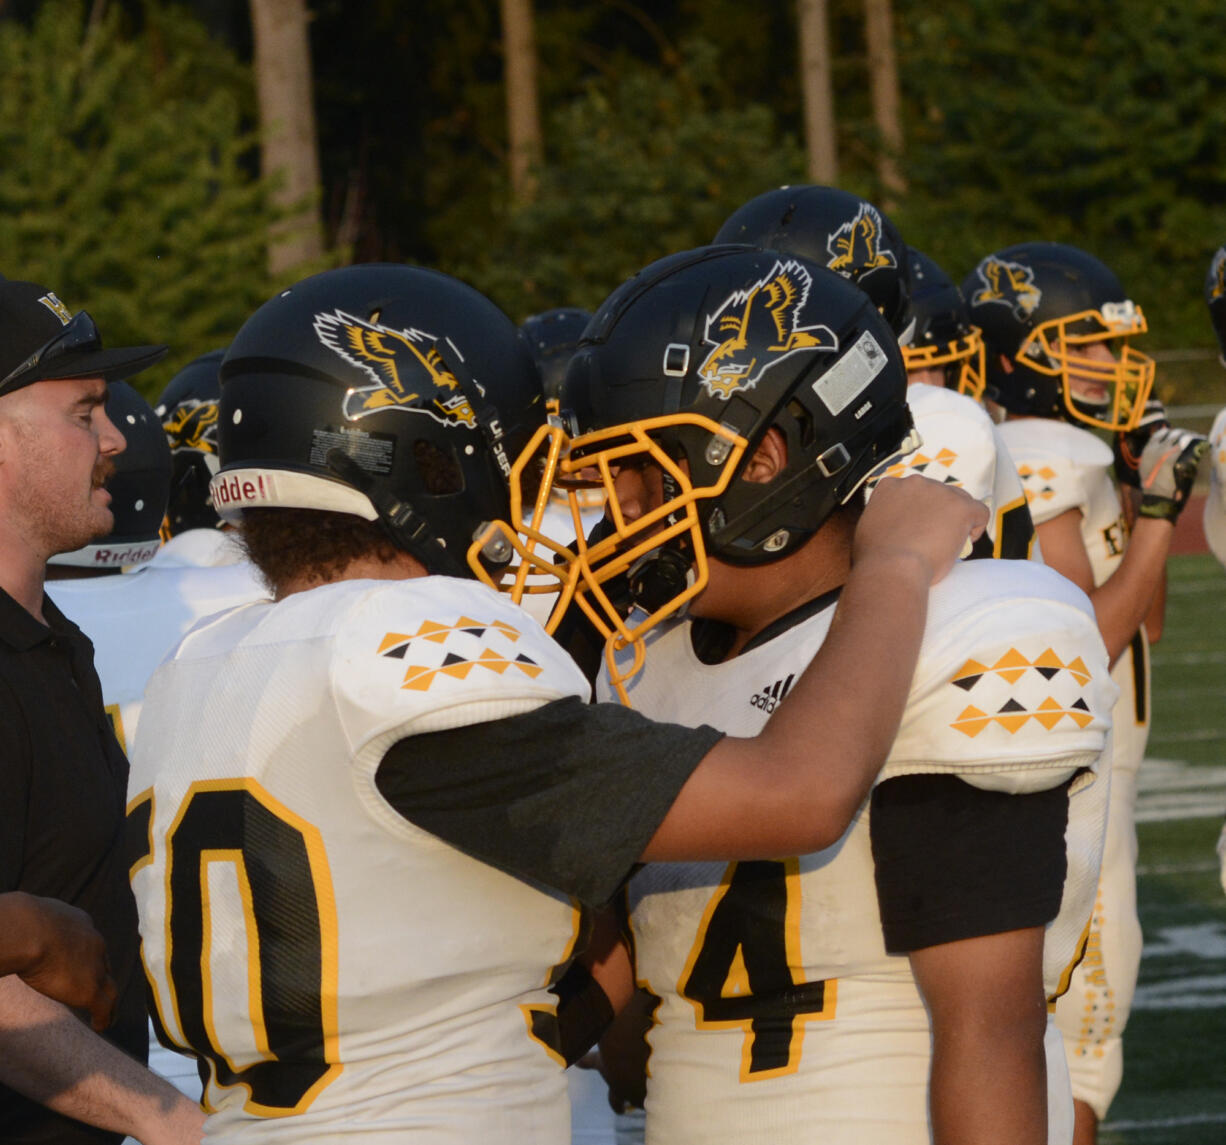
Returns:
(309, 544)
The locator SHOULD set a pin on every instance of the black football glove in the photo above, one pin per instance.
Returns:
(1129, 446)
(1167, 470)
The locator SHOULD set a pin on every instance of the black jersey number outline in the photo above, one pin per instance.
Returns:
(744, 968)
(542, 1017)
(289, 915)
(1013, 537)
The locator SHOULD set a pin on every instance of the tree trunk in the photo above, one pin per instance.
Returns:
(288, 144)
(883, 79)
(818, 89)
(525, 148)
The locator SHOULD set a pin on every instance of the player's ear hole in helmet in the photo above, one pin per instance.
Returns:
(395, 394)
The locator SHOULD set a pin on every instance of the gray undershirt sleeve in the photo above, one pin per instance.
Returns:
(568, 795)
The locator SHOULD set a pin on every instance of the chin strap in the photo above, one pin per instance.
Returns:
(406, 527)
(660, 576)
(664, 573)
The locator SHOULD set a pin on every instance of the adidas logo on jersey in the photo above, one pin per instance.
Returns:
(770, 697)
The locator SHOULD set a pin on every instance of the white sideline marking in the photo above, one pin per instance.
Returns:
(1204, 940)
(1169, 789)
(1165, 1122)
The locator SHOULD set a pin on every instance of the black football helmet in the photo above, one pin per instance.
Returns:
(943, 338)
(687, 366)
(138, 487)
(835, 229)
(1039, 306)
(1215, 297)
(188, 410)
(552, 337)
(394, 393)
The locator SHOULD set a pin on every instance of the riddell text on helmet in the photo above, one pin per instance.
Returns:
(239, 490)
(132, 555)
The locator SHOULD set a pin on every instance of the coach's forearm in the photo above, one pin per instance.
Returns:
(54, 1059)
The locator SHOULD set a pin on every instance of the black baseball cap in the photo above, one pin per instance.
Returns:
(41, 338)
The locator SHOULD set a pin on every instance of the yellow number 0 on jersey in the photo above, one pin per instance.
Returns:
(739, 972)
(289, 915)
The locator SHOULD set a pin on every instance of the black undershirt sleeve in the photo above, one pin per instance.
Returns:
(953, 861)
(568, 795)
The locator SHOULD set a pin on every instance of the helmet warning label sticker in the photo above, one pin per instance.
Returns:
(852, 374)
(374, 452)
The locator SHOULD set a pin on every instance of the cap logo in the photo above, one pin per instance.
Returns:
(407, 370)
(192, 425)
(56, 307)
(757, 328)
(1009, 284)
(855, 248)
(1217, 274)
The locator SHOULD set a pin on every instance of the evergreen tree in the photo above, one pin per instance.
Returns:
(641, 165)
(126, 176)
(1104, 128)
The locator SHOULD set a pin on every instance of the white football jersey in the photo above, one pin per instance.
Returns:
(961, 446)
(135, 618)
(1215, 502)
(782, 1017)
(344, 973)
(1063, 467)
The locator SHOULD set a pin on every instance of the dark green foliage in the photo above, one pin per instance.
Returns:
(1099, 125)
(126, 176)
(639, 166)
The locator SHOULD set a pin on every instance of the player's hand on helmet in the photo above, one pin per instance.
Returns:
(1129, 446)
(67, 958)
(918, 518)
(1167, 471)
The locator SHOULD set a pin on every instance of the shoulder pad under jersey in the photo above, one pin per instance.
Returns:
(1056, 462)
(1013, 690)
(957, 447)
(436, 652)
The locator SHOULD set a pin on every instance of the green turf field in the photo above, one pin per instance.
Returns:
(1174, 1090)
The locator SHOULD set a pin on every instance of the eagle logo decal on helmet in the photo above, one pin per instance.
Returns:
(406, 367)
(757, 328)
(1009, 283)
(855, 248)
(192, 425)
(1217, 272)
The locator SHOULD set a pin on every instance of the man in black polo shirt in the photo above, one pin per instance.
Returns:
(62, 774)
